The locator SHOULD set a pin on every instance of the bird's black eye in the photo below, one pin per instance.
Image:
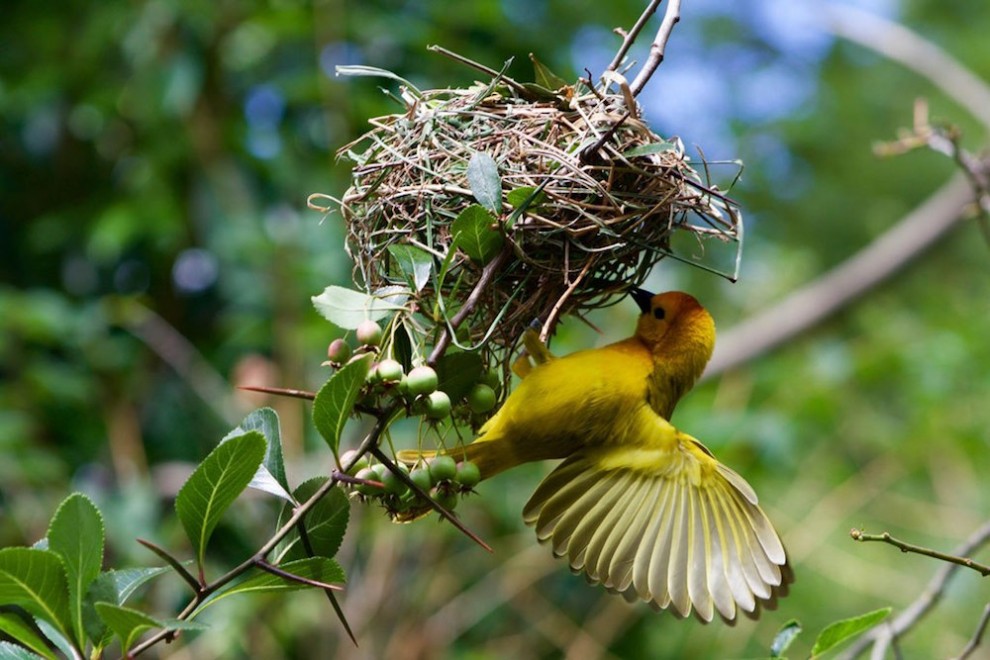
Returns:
(658, 313)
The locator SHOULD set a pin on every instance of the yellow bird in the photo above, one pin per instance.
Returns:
(637, 505)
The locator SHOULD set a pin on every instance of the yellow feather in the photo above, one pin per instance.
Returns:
(638, 506)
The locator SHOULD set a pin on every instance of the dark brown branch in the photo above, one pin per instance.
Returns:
(292, 577)
(174, 563)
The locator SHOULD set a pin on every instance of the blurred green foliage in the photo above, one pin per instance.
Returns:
(156, 249)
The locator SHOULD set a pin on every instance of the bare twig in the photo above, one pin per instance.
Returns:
(670, 18)
(279, 391)
(977, 637)
(884, 636)
(903, 546)
(629, 38)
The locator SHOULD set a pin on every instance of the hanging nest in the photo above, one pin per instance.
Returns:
(581, 197)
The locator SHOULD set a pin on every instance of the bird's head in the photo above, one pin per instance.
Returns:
(675, 327)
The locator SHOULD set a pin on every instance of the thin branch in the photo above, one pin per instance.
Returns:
(974, 642)
(279, 391)
(331, 596)
(436, 506)
(292, 577)
(820, 299)
(903, 546)
(174, 563)
(885, 635)
(628, 38)
(670, 18)
(487, 275)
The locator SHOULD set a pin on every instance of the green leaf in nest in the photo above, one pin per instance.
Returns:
(650, 149)
(473, 233)
(414, 262)
(346, 308)
(457, 373)
(486, 186)
(545, 77)
(215, 484)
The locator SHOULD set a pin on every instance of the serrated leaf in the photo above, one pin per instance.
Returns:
(102, 589)
(485, 184)
(215, 484)
(346, 308)
(649, 149)
(321, 569)
(784, 638)
(544, 76)
(57, 638)
(415, 263)
(838, 632)
(76, 535)
(9, 651)
(457, 373)
(335, 400)
(325, 523)
(473, 233)
(270, 477)
(35, 580)
(15, 627)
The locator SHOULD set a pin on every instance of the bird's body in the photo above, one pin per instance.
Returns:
(637, 505)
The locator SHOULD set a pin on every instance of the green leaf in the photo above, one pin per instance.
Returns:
(321, 569)
(57, 638)
(102, 590)
(649, 149)
(9, 651)
(15, 627)
(544, 76)
(527, 196)
(784, 638)
(35, 579)
(128, 624)
(76, 535)
(126, 581)
(335, 400)
(325, 523)
(838, 632)
(346, 308)
(473, 233)
(402, 346)
(485, 184)
(414, 262)
(270, 476)
(215, 484)
(457, 373)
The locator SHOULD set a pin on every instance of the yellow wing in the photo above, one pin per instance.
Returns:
(664, 522)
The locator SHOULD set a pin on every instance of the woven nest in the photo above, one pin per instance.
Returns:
(610, 193)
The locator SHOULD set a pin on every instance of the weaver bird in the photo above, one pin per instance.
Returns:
(637, 505)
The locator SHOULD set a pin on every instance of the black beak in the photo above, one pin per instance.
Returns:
(642, 298)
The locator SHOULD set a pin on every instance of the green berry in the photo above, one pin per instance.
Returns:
(347, 457)
(389, 371)
(421, 381)
(437, 405)
(490, 378)
(421, 477)
(443, 468)
(481, 398)
(393, 484)
(368, 474)
(468, 474)
(369, 333)
(446, 498)
(338, 351)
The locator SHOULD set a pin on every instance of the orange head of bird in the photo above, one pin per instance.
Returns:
(676, 328)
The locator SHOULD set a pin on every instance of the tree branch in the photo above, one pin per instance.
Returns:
(974, 642)
(629, 38)
(883, 636)
(670, 18)
(903, 546)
